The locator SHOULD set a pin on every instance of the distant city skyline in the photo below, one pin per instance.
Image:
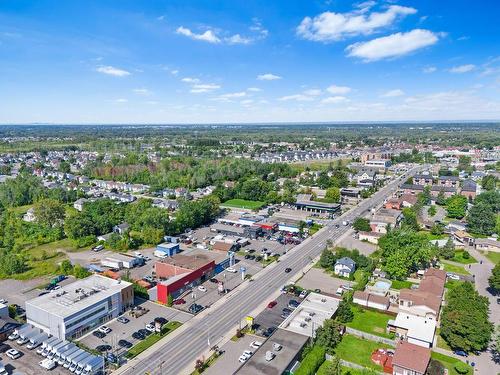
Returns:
(248, 62)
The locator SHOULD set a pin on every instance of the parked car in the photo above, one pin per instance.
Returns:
(255, 344)
(3, 301)
(293, 304)
(461, 353)
(288, 270)
(138, 336)
(179, 301)
(201, 288)
(231, 269)
(303, 294)
(214, 280)
(150, 327)
(123, 320)
(99, 334)
(110, 357)
(125, 344)
(104, 329)
(103, 348)
(271, 304)
(144, 332)
(13, 336)
(13, 353)
(195, 308)
(161, 320)
(452, 276)
(98, 248)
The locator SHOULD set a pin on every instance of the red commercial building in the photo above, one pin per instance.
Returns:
(182, 273)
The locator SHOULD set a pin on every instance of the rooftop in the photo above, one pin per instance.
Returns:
(411, 357)
(74, 297)
(418, 327)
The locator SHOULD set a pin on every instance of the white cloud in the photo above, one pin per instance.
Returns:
(238, 39)
(190, 80)
(204, 87)
(312, 92)
(268, 77)
(393, 93)
(233, 95)
(392, 46)
(174, 72)
(258, 28)
(429, 69)
(334, 100)
(208, 36)
(246, 102)
(121, 100)
(297, 97)
(462, 68)
(338, 90)
(142, 91)
(112, 71)
(160, 18)
(254, 89)
(331, 26)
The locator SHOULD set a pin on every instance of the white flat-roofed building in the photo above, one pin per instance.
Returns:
(79, 307)
(310, 314)
(417, 330)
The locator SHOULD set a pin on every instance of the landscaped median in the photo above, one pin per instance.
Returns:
(152, 339)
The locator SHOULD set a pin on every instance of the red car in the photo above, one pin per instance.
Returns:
(271, 304)
(179, 301)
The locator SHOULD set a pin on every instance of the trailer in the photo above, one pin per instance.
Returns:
(69, 358)
(76, 361)
(94, 367)
(63, 356)
(37, 340)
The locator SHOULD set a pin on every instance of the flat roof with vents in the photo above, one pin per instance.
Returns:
(74, 297)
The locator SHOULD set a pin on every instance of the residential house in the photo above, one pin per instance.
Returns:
(384, 217)
(448, 191)
(371, 300)
(78, 204)
(410, 359)
(121, 228)
(408, 200)
(469, 189)
(449, 181)
(487, 244)
(371, 237)
(365, 179)
(423, 179)
(415, 329)
(463, 237)
(393, 203)
(344, 267)
(412, 189)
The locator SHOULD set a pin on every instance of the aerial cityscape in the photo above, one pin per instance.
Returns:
(275, 188)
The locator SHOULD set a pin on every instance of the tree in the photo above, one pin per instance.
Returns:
(448, 250)
(344, 312)
(361, 224)
(464, 323)
(328, 336)
(489, 182)
(437, 229)
(327, 259)
(456, 205)
(12, 264)
(64, 167)
(334, 367)
(441, 199)
(481, 219)
(432, 211)
(461, 367)
(494, 279)
(333, 194)
(491, 198)
(49, 213)
(410, 219)
(66, 267)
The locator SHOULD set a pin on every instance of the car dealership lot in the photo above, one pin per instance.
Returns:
(121, 331)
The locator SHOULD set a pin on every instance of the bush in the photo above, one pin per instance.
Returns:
(465, 255)
(312, 361)
(461, 368)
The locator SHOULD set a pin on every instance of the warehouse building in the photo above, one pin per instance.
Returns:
(79, 307)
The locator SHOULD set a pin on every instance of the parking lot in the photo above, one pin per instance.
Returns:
(121, 331)
(28, 363)
(271, 317)
(228, 363)
(317, 278)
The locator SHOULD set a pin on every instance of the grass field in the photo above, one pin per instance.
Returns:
(152, 339)
(370, 321)
(494, 257)
(242, 203)
(448, 362)
(459, 258)
(357, 350)
(454, 268)
(345, 370)
(401, 284)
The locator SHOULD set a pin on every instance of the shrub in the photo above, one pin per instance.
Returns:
(465, 255)
(312, 361)
(461, 368)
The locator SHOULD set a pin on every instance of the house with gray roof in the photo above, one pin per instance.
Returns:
(344, 267)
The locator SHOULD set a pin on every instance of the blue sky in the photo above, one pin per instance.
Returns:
(248, 61)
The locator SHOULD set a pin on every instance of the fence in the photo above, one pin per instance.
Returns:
(369, 336)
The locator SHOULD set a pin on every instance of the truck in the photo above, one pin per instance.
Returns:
(69, 358)
(25, 336)
(76, 361)
(37, 340)
(67, 345)
(61, 359)
(52, 353)
(43, 349)
(82, 364)
(94, 367)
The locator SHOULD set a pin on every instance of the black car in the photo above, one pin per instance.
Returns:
(214, 280)
(138, 336)
(258, 259)
(195, 308)
(103, 348)
(111, 358)
(251, 251)
(247, 256)
(144, 332)
(251, 257)
(99, 334)
(125, 344)
(268, 332)
(287, 270)
(161, 320)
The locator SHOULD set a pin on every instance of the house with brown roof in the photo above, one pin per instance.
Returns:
(408, 200)
(371, 300)
(410, 359)
(222, 246)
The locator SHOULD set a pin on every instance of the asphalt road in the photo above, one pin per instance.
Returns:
(175, 355)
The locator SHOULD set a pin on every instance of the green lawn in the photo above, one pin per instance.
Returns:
(399, 284)
(152, 339)
(494, 257)
(345, 370)
(370, 321)
(459, 258)
(357, 350)
(450, 284)
(454, 268)
(242, 203)
(21, 210)
(448, 362)
(440, 341)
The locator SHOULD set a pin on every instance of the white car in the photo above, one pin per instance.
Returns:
(57, 287)
(303, 294)
(3, 300)
(105, 329)
(13, 336)
(150, 327)
(242, 359)
(453, 276)
(201, 288)
(22, 341)
(255, 344)
(47, 364)
(13, 354)
(231, 269)
(247, 353)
